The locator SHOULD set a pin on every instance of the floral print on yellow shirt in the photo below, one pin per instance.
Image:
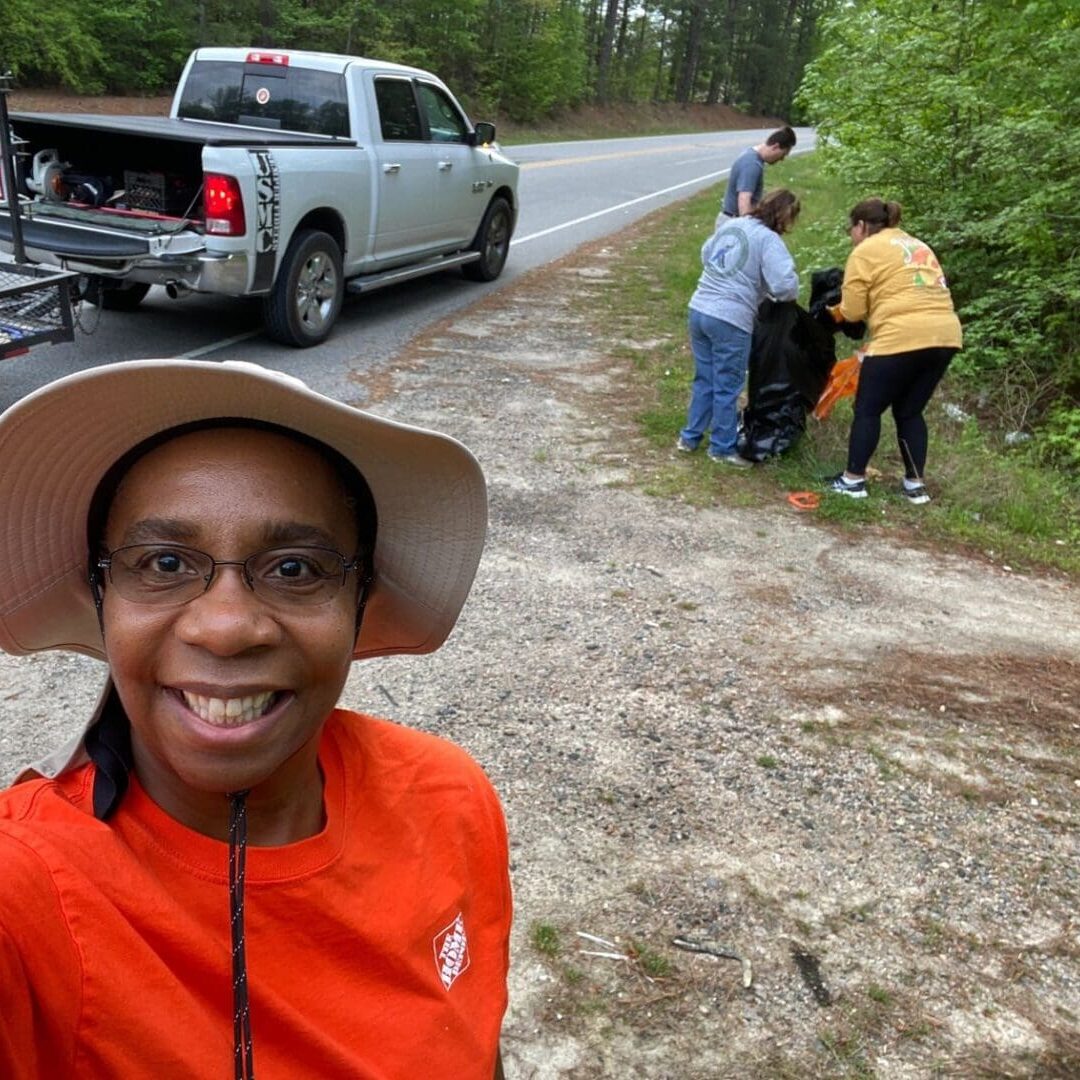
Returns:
(927, 269)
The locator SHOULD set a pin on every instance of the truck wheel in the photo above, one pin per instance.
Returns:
(123, 297)
(304, 303)
(492, 241)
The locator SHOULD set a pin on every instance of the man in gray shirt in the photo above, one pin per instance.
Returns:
(747, 177)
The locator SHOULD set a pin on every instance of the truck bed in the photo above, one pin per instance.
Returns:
(49, 128)
(110, 145)
(115, 147)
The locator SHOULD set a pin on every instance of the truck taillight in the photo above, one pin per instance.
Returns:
(280, 59)
(224, 205)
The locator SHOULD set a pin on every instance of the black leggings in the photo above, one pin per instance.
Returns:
(905, 382)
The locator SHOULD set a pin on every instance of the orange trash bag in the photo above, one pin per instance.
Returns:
(843, 382)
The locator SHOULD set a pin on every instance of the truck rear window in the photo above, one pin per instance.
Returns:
(281, 98)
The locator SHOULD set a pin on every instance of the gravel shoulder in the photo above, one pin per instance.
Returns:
(850, 762)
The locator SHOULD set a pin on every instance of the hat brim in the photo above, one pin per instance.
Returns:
(58, 442)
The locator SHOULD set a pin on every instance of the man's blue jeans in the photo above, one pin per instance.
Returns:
(721, 354)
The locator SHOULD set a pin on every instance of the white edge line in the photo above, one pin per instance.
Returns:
(194, 354)
(619, 206)
(632, 202)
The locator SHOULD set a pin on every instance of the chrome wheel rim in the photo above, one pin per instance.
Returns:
(316, 292)
(498, 239)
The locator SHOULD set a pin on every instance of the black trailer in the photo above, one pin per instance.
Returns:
(35, 301)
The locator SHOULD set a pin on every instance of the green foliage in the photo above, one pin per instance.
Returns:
(545, 939)
(144, 43)
(820, 237)
(44, 43)
(532, 66)
(520, 59)
(1059, 439)
(960, 110)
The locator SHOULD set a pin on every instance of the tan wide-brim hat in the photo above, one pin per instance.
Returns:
(58, 442)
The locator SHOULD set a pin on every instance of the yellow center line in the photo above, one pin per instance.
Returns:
(615, 155)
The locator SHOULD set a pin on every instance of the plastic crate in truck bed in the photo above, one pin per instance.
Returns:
(161, 193)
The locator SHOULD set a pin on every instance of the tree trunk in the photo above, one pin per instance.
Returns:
(603, 57)
(684, 90)
(658, 95)
(266, 22)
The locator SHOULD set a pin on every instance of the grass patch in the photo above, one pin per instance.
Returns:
(887, 769)
(650, 962)
(1015, 512)
(545, 939)
(848, 1053)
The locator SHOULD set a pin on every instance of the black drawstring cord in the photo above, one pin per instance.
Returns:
(243, 1056)
(108, 746)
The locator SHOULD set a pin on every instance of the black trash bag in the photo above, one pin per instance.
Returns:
(791, 355)
(792, 352)
(825, 292)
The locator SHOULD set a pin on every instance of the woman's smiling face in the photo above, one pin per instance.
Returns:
(229, 691)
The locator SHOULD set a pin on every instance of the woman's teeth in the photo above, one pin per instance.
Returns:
(228, 712)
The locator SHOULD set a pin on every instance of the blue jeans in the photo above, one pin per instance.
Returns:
(721, 354)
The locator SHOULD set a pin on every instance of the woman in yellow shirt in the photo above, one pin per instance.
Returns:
(895, 282)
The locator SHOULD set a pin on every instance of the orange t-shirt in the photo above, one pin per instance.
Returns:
(377, 948)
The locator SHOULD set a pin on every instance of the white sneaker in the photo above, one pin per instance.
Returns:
(734, 460)
(917, 495)
(853, 489)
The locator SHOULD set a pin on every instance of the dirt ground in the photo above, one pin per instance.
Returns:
(61, 101)
(850, 763)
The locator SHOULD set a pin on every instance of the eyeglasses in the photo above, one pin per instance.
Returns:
(167, 574)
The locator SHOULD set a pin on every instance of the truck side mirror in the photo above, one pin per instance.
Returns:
(482, 133)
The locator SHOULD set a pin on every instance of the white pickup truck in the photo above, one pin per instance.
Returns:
(291, 176)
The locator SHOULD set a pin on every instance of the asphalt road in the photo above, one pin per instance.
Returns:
(571, 193)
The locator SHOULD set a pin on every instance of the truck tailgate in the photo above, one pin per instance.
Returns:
(74, 240)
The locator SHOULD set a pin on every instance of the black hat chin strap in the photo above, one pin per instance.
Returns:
(243, 1055)
(108, 745)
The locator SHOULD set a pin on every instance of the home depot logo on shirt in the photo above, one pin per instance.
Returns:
(451, 951)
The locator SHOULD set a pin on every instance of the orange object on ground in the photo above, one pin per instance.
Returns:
(804, 500)
(377, 947)
(843, 382)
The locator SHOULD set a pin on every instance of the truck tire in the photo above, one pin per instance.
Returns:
(123, 297)
(305, 301)
(492, 241)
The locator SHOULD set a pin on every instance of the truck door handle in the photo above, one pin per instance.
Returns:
(444, 166)
(392, 168)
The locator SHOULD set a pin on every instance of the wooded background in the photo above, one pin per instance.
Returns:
(518, 59)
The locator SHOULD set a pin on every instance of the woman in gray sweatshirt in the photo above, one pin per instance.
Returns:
(744, 262)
